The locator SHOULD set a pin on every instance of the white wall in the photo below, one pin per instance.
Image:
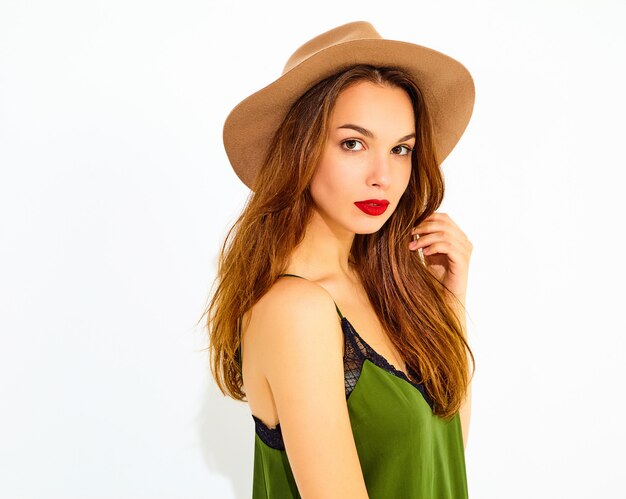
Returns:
(115, 193)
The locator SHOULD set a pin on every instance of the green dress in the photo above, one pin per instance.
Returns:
(405, 451)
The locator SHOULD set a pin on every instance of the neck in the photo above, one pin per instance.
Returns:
(323, 252)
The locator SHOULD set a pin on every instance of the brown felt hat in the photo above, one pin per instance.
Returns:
(446, 84)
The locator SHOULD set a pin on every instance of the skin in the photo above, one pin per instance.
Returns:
(355, 166)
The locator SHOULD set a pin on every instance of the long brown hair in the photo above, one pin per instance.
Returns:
(412, 305)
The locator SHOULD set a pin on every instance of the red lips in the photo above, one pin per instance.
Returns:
(373, 206)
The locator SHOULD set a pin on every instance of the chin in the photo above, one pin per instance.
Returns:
(369, 227)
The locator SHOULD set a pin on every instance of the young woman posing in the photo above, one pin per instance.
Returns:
(340, 292)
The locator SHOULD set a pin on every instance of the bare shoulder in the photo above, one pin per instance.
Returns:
(292, 300)
(299, 347)
(295, 315)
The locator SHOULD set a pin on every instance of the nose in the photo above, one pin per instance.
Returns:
(379, 172)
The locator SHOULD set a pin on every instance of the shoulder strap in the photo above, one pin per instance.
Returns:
(239, 347)
(294, 275)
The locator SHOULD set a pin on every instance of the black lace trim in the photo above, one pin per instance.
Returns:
(363, 351)
(356, 351)
(271, 436)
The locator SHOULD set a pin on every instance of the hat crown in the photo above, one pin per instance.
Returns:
(357, 30)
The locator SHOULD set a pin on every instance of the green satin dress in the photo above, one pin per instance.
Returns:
(405, 451)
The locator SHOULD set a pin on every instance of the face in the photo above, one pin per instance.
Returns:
(366, 160)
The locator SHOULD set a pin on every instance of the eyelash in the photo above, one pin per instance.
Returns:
(409, 149)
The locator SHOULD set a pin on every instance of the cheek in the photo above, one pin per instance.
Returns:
(406, 178)
(330, 182)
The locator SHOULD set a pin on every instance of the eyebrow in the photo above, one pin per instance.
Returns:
(367, 133)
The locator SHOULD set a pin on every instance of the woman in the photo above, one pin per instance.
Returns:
(350, 343)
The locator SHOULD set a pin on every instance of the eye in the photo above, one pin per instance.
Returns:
(408, 150)
(355, 141)
(350, 141)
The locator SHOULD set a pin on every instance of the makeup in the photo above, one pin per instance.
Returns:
(372, 206)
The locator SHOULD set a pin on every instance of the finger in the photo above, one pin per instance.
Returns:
(421, 228)
(455, 252)
(441, 221)
(452, 230)
(425, 227)
(444, 247)
(426, 239)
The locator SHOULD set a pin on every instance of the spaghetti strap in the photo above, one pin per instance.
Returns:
(294, 275)
(239, 347)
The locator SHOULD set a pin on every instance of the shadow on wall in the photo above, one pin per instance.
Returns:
(226, 435)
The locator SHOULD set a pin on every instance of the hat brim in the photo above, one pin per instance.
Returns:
(447, 86)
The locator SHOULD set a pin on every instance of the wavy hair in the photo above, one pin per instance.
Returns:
(413, 306)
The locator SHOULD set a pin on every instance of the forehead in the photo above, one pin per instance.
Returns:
(379, 108)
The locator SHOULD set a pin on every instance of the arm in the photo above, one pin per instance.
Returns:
(466, 406)
(302, 352)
